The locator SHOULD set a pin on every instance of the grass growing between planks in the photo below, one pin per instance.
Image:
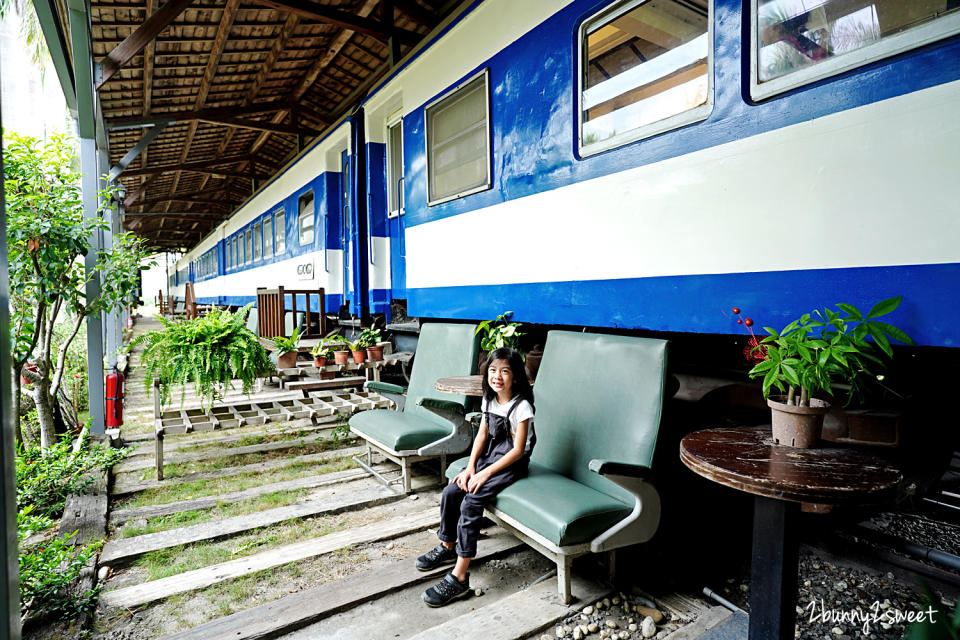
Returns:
(175, 560)
(187, 610)
(178, 469)
(216, 486)
(223, 510)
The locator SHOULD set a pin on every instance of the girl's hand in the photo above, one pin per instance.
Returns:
(463, 478)
(477, 481)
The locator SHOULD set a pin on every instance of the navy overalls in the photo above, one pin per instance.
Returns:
(460, 511)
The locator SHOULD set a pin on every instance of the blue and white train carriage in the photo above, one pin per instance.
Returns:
(632, 164)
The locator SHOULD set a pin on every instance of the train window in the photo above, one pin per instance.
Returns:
(268, 237)
(395, 169)
(797, 41)
(279, 223)
(306, 215)
(236, 252)
(257, 242)
(458, 142)
(247, 252)
(645, 68)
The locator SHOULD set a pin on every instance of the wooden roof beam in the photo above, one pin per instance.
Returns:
(187, 166)
(360, 24)
(194, 200)
(136, 41)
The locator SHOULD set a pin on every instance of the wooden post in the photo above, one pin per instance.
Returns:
(159, 451)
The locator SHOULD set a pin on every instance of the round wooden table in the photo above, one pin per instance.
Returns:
(462, 385)
(781, 479)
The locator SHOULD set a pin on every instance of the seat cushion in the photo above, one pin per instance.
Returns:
(558, 508)
(396, 430)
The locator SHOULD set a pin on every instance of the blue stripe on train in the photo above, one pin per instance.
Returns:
(701, 304)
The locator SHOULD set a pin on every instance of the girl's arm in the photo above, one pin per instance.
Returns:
(519, 443)
(478, 443)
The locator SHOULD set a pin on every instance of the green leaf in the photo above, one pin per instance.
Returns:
(884, 307)
(851, 311)
(893, 332)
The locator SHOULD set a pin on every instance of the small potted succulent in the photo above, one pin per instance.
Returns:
(287, 349)
(810, 354)
(370, 339)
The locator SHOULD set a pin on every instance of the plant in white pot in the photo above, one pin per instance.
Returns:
(814, 351)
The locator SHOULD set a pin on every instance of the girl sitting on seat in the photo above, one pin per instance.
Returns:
(500, 455)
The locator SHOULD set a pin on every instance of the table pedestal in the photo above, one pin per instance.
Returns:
(773, 569)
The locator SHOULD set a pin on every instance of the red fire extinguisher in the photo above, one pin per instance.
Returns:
(114, 408)
(129, 322)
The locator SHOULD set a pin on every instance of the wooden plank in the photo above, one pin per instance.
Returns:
(312, 385)
(147, 448)
(126, 549)
(518, 615)
(121, 488)
(307, 607)
(208, 502)
(200, 578)
(136, 465)
(136, 41)
(86, 515)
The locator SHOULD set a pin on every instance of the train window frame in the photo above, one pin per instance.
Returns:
(393, 182)
(257, 242)
(485, 74)
(248, 246)
(686, 118)
(267, 220)
(303, 214)
(236, 252)
(914, 38)
(281, 237)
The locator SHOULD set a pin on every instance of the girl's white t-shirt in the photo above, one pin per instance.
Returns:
(524, 411)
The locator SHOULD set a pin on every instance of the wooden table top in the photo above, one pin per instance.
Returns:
(745, 458)
(462, 385)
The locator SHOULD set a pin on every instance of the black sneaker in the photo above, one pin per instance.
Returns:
(447, 590)
(436, 557)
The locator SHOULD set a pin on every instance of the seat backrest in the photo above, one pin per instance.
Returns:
(598, 396)
(443, 350)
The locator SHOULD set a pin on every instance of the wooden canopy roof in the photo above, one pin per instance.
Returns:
(204, 100)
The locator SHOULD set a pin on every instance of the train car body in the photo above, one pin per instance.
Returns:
(632, 165)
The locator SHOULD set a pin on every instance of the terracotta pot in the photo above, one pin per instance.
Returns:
(359, 357)
(375, 353)
(341, 357)
(795, 426)
(532, 363)
(287, 360)
(319, 362)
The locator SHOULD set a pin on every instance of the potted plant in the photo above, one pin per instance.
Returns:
(287, 349)
(810, 354)
(340, 356)
(210, 351)
(497, 334)
(370, 339)
(322, 354)
(359, 350)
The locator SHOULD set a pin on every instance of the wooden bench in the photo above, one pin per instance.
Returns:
(598, 405)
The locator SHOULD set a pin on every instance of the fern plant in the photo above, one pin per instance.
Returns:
(210, 351)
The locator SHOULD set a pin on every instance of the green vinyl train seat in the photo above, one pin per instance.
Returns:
(427, 423)
(599, 399)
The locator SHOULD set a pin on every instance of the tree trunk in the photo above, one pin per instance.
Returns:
(16, 404)
(41, 398)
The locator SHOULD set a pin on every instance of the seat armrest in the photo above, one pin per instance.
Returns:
(610, 468)
(441, 406)
(374, 385)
